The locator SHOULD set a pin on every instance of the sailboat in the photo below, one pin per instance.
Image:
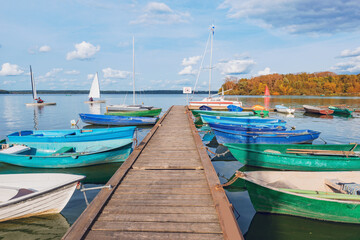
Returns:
(218, 102)
(34, 94)
(134, 109)
(95, 91)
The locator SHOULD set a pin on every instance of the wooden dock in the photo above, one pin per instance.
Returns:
(167, 189)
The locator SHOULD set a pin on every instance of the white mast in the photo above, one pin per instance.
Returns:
(33, 87)
(133, 71)
(212, 28)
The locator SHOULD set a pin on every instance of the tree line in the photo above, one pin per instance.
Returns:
(322, 83)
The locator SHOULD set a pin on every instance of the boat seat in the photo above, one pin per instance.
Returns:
(63, 150)
(343, 187)
(14, 149)
(272, 151)
(22, 192)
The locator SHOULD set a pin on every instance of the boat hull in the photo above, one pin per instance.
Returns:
(341, 111)
(277, 137)
(71, 160)
(274, 156)
(317, 110)
(237, 120)
(40, 104)
(47, 201)
(98, 119)
(140, 113)
(271, 200)
(197, 113)
(246, 128)
(97, 101)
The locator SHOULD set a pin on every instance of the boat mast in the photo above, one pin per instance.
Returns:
(33, 88)
(133, 71)
(212, 28)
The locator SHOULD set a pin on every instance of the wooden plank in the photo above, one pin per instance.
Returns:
(173, 217)
(165, 202)
(164, 191)
(96, 235)
(158, 227)
(333, 183)
(160, 196)
(159, 209)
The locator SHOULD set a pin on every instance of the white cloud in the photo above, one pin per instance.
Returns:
(112, 73)
(188, 70)
(350, 53)
(8, 69)
(83, 50)
(72, 72)
(53, 72)
(190, 61)
(236, 67)
(90, 76)
(160, 13)
(298, 16)
(45, 48)
(266, 71)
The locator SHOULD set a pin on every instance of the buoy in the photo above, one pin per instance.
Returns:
(73, 122)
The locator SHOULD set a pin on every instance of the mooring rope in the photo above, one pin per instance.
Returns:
(238, 175)
(218, 154)
(83, 190)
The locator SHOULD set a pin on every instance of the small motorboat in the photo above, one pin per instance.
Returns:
(284, 109)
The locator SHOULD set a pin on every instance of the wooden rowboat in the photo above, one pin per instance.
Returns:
(325, 157)
(26, 195)
(305, 194)
(98, 119)
(317, 110)
(153, 112)
(344, 111)
(197, 113)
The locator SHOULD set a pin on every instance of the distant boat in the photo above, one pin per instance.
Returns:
(211, 101)
(39, 102)
(284, 109)
(305, 194)
(242, 120)
(26, 195)
(317, 110)
(260, 111)
(197, 113)
(95, 91)
(108, 120)
(40, 156)
(343, 111)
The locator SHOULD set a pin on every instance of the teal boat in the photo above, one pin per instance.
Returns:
(301, 157)
(304, 194)
(343, 111)
(197, 113)
(67, 156)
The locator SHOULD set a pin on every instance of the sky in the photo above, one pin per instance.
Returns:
(67, 41)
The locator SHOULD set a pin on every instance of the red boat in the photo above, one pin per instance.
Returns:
(317, 110)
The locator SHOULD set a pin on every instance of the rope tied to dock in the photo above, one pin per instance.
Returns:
(238, 175)
(217, 154)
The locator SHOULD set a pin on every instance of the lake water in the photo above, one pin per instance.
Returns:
(16, 116)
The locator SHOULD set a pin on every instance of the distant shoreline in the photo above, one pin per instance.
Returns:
(102, 92)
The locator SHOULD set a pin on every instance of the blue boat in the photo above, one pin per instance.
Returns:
(278, 137)
(107, 151)
(71, 135)
(247, 127)
(241, 120)
(99, 119)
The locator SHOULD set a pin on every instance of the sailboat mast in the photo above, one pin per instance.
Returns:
(211, 50)
(133, 70)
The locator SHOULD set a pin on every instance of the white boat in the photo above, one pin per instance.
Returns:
(133, 107)
(218, 102)
(26, 195)
(34, 94)
(95, 91)
(284, 109)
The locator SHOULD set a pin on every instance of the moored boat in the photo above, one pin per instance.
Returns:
(241, 120)
(153, 112)
(344, 111)
(304, 194)
(65, 157)
(99, 119)
(276, 137)
(301, 157)
(197, 113)
(26, 195)
(317, 110)
(247, 127)
(284, 109)
(260, 111)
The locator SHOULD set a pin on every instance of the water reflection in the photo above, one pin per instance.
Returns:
(95, 108)
(271, 226)
(40, 227)
(318, 115)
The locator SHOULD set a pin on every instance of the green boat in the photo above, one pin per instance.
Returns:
(138, 113)
(261, 113)
(301, 157)
(197, 113)
(344, 111)
(304, 194)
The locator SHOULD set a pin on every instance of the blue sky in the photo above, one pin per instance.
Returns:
(67, 42)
